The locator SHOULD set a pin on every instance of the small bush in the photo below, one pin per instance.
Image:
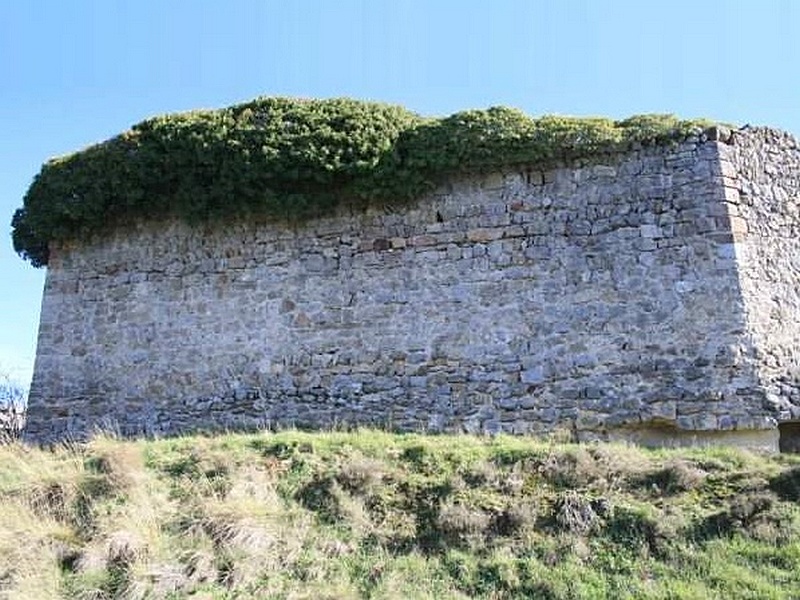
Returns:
(461, 524)
(675, 477)
(637, 527)
(575, 468)
(13, 399)
(754, 514)
(516, 517)
(575, 513)
(360, 475)
(320, 496)
(787, 484)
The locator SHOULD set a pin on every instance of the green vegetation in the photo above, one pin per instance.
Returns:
(375, 515)
(295, 159)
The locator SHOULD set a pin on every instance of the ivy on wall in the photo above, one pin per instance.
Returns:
(294, 158)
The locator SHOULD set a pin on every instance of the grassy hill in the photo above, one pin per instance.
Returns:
(374, 515)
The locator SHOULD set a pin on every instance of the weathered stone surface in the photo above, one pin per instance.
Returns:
(656, 288)
(767, 230)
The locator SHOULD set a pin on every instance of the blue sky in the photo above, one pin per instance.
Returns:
(78, 72)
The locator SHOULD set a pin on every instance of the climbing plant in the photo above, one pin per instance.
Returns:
(295, 158)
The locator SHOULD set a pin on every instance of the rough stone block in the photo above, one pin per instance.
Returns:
(533, 376)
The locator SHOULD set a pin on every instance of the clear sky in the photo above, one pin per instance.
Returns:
(79, 71)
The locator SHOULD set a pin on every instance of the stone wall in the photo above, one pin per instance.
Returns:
(601, 297)
(761, 178)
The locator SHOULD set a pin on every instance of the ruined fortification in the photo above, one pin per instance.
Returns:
(649, 293)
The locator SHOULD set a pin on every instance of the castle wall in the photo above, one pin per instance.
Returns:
(601, 297)
(761, 177)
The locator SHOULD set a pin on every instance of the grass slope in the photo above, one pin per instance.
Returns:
(374, 515)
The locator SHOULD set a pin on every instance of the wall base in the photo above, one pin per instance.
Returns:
(763, 440)
(790, 437)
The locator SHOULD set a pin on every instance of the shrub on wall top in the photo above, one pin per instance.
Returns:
(294, 158)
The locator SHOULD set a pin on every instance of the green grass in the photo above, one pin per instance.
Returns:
(375, 515)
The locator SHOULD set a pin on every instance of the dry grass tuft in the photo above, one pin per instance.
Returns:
(251, 531)
(120, 462)
(30, 548)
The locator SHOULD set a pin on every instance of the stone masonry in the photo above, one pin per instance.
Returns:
(651, 294)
